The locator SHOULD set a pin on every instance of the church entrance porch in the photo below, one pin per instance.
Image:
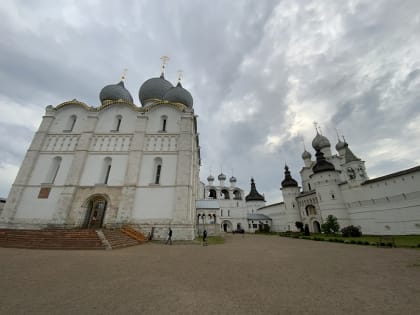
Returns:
(95, 213)
(227, 226)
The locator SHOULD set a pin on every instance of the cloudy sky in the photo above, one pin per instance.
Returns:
(260, 72)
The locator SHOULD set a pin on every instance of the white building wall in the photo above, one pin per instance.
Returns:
(62, 117)
(168, 171)
(155, 120)
(31, 207)
(107, 118)
(93, 170)
(43, 166)
(155, 203)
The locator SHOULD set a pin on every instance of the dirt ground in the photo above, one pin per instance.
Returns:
(249, 274)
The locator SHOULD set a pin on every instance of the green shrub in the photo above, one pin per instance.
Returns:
(351, 230)
(366, 243)
(359, 242)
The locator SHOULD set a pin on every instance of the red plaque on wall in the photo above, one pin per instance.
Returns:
(44, 192)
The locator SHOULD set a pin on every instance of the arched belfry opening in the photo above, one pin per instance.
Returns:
(95, 212)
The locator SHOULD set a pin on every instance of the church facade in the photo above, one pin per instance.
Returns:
(338, 185)
(114, 164)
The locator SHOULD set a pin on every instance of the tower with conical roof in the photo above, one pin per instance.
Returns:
(290, 190)
(326, 181)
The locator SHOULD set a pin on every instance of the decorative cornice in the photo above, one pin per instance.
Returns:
(107, 103)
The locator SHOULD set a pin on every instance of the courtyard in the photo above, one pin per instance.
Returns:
(248, 274)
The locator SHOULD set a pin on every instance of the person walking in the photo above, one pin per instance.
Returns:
(205, 237)
(169, 240)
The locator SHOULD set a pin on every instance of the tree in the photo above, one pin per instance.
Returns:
(330, 226)
(299, 225)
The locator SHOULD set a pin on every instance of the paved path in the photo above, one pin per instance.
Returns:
(246, 275)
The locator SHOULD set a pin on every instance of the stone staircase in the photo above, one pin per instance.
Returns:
(118, 239)
(51, 239)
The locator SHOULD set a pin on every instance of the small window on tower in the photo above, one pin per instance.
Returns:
(164, 122)
(117, 123)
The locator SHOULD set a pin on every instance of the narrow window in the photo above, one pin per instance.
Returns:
(157, 171)
(228, 213)
(164, 121)
(52, 174)
(70, 123)
(106, 170)
(221, 212)
(118, 120)
(309, 186)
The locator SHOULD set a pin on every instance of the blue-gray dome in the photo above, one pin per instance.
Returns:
(221, 176)
(154, 88)
(320, 142)
(210, 178)
(232, 179)
(179, 95)
(115, 92)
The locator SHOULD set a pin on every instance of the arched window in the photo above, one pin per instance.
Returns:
(237, 195)
(52, 174)
(224, 194)
(158, 170)
(164, 122)
(212, 194)
(106, 170)
(117, 123)
(70, 123)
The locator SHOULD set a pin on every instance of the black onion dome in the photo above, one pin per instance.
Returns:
(210, 178)
(341, 145)
(322, 165)
(232, 179)
(254, 195)
(320, 142)
(154, 88)
(115, 92)
(288, 180)
(178, 94)
(306, 155)
(221, 176)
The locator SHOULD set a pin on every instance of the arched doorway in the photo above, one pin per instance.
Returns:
(317, 227)
(227, 226)
(95, 213)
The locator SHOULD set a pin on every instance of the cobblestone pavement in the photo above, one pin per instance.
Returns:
(248, 274)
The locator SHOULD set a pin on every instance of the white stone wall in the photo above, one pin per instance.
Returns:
(31, 207)
(93, 170)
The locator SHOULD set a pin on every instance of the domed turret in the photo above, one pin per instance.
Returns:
(178, 94)
(340, 145)
(232, 179)
(115, 92)
(210, 178)
(254, 195)
(288, 180)
(320, 142)
(221, 176)
(322, 165)
(306, 155)
(154, 89)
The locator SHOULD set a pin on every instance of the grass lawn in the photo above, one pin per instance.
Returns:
(400, 240)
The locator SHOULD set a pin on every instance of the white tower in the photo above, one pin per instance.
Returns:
(290, 191)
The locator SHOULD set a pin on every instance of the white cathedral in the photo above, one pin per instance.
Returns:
(119, 163)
